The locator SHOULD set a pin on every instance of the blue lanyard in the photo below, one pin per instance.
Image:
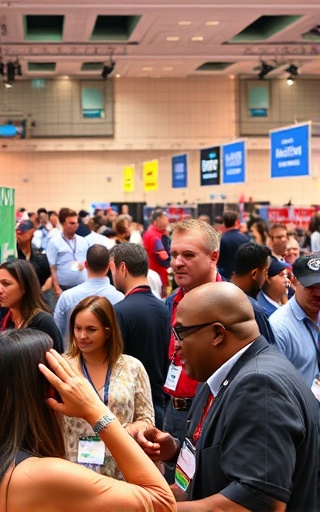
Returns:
(107, 382)
(74, 248)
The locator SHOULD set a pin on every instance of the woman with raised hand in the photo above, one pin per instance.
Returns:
(120, 380)
(34, 476)
(21, 303)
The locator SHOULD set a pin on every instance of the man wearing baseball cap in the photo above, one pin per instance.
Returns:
(296, 324)
(275, 288)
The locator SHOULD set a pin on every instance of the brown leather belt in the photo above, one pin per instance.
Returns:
(181, 404)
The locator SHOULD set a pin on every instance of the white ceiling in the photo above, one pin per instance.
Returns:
(147, 53)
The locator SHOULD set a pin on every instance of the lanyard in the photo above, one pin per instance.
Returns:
(7, 319)
(107, 382)
(198, 430)
(73, 247)
(306, 323)
(139, 289)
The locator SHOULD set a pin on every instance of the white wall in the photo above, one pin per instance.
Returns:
(154, 119)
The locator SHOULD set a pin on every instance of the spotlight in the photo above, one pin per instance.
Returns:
(107, 69)
(293, 73)
(292, 70)
(11, 71)
(264, 70)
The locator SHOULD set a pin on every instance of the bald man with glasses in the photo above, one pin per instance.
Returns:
(251, 440)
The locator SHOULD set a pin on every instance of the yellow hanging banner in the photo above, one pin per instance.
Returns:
(150, 175)
(128, 179)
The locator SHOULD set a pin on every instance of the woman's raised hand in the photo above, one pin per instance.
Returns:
(78, 398)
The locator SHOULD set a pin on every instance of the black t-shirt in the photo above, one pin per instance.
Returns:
(40, 263)
(42, 321)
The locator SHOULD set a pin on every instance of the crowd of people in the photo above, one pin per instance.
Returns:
(182, 360)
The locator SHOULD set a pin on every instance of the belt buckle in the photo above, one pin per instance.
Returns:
(180, 403)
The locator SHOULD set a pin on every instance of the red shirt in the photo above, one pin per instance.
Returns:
(153, 244)
(186, 387)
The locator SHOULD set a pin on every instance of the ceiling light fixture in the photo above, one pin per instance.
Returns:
(265, 68)
(172, 38)
(293, 73)
(108, 67)
(107, 70)
(197, 38)
(10, 69)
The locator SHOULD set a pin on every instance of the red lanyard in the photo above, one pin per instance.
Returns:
(6, 320)
(139, 289)
(198, 430)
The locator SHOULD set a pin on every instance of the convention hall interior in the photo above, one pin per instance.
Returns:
(169, 78)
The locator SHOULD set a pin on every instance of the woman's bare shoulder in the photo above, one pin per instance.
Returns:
(53, 484)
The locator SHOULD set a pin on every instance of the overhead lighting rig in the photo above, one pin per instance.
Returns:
(265, 68)
(108, 67)
(293, 73)
(10, 70)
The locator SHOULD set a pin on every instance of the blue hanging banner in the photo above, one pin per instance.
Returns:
(210, 166)
(234, 162)
(290, 151)
(179, 171)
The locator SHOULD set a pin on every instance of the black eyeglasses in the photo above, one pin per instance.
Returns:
(180, 332)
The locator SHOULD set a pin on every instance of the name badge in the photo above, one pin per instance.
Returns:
(186, 465)
(74, 266)
(173, 375)
(91, 450)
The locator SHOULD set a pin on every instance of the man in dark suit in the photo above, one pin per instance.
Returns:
(251, 441)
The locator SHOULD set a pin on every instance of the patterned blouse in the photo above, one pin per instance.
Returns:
(129, 399)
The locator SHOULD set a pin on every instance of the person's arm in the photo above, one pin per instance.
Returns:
(159, 446)
(55, 284)
(47, 285)
(219, 503)
(80, 400)
(60, 316)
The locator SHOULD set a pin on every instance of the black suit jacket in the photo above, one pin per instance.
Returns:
(259, 440)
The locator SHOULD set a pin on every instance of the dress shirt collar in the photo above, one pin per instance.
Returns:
(299, 312)
(273, 302)
(217, 378)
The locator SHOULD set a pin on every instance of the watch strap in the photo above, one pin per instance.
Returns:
(103, 423)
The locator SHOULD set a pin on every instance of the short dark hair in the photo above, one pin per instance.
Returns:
(97, 258)
(229, 218)
(276, 226)
(250, 256)
(155, 214)
(134, 256)
(41, 210)
(64, 213)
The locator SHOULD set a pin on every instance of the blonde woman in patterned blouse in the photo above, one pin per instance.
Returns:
(121, 381)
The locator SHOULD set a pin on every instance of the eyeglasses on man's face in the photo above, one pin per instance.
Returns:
(180, 332)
